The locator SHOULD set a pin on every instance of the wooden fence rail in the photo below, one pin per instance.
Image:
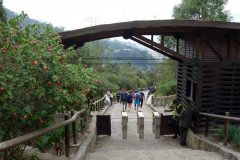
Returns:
(4, 146)
(226, 118)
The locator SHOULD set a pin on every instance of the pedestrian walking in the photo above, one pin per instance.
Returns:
(118, 96)
(124, 99)
(129, 101)
(174, 121)
(137, 100)
(142, 97)
(122, 91)
(186, 117)
(133, 96)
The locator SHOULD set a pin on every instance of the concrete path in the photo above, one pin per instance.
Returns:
(115, 148)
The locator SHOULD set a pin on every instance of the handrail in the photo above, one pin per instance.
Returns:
(226, 118)
(220, 117)
(27, 137)
(98, 100)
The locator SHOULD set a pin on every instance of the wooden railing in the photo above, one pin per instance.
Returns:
(226, 118)
(4, 146)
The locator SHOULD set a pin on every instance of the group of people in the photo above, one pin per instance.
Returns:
(181, 120)
(127, 98)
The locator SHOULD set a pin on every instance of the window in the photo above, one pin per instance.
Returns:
(191, 90)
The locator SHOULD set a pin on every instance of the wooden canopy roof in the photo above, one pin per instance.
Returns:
(135, 29)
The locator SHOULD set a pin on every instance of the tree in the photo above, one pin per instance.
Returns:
(210, 10)
(35, 79)
(3, 14)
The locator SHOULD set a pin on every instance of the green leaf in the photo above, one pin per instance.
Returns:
(44, 112)
(2, 132)
(29, 122)
(1, 136)
(27, 109)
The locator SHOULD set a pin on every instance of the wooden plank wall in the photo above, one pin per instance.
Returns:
(221, 91)
(186, 71)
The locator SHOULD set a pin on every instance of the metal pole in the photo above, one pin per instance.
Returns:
(226, 129)
(74, 130)
(207, 124)
(67, 139)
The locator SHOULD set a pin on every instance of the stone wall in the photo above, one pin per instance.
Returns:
(162, 101)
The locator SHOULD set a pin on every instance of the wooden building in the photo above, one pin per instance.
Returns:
(208, 67)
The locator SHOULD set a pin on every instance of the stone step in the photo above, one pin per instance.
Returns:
(164, 154)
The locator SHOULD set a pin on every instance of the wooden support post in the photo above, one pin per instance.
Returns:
(67, 139)
(203, 49)
(82, 121)
(6, 154)
(177, 45)
(198, 44)
(226, 129)
(74, 130)
(151, 38)
(206, 125)
(230, 48)
(88, 103)
(162, 39)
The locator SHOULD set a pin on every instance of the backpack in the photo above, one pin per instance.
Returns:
(141, 95)
(124, 96)
(137, 96)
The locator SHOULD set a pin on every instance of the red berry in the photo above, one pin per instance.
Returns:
(1, 67)
(82, 92)
(37, 85)
(63, 50)
(0, 28)
(49, 83)
(49, 50)
(58, 83)
(30, 94)
(59, 57)
(41, 121)
(88, 90)
(68, 100)
(21, 26)
(6, 40)
(25, 116)
(35, 63)
(68, 95)
(99, 82)
(95, 70)
(4, 48)
(40, 57)
(16, 47)
(15, 114)
(45, 68)
(31, 115)
(39, 97)
(56, 34)
(34, 42)
(85, 65)
(39, 32)
(77, 102)
(46, 27)
(24, 32)
(16, 66)
(95, 80)
(43, 95)
(76, 55)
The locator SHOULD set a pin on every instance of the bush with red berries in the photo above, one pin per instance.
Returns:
(35, 80)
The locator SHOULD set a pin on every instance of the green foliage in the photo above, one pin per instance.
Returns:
(237, 137)
(42, 143)
(3, 14)
(167, 88)
(232, 131)
(210, 10)
(30, 93)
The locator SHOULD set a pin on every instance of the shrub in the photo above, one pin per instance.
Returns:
(232, 130)
(35, 80)
(237, 137)
(167, 89)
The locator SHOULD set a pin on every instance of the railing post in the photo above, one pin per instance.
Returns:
(74, 130)
(140, 124)
(67, 141)
(88, 103)
(226, 129)
(206, 125)
(82, 128)
(156, 124)
(6, 155)
(124, 125)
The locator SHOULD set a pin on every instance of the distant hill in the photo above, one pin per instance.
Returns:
(125, 51)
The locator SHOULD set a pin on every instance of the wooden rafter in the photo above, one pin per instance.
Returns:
(213, 47)
(238, 38)
(164, 49)
(155, 49)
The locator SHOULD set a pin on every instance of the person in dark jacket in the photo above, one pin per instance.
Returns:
(118, 96)
(129, 101)
(124, 99)
(174, 121)
(186, 117)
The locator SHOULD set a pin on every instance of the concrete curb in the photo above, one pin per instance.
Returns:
(89, 144)
(198, 143)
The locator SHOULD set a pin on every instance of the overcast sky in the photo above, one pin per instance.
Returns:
(74, 14)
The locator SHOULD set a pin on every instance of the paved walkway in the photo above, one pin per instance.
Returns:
(115, 148)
